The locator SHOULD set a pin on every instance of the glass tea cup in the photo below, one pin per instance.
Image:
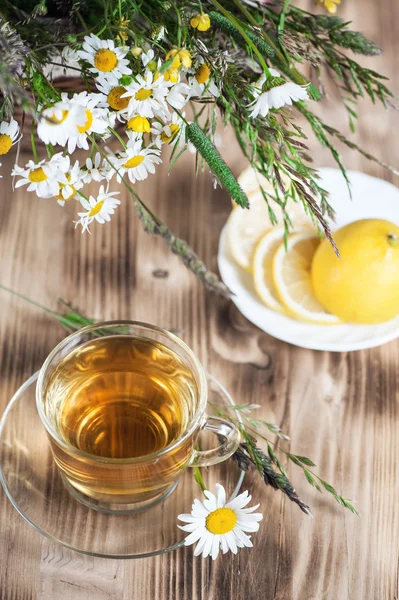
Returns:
(123, 403)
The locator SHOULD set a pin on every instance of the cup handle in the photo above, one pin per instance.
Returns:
(224, 428)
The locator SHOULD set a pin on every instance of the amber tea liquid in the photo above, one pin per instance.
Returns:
(120, 397)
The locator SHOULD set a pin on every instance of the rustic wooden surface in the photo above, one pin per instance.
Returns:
(340, 409)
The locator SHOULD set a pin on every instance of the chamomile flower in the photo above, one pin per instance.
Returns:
(170, 133)
(58, 122)
(147, 57)
(274, 92)
(137, 162)
(97, 209)
(147, 96)
(43, 177)
(68, 189)
(107, 60)
(65, 63)
(112, 97)
(202, 82)
(92, 170)
(9, 135)
(219, 525)
(178, 95)
(96, 121)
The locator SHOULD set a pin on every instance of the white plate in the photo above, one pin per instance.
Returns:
(372, 198)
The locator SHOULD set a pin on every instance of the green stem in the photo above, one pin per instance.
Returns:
(53, 313)
(33, 143)
(198, 478)
(116, 134)
(281, 24)
(236, 24)
(293, 73)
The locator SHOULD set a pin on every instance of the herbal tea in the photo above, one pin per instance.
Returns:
(120, 397)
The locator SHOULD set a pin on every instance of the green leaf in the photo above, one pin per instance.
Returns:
(311, 480)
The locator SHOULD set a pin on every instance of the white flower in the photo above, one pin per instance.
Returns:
(67, 61)
(9, 135)
(96, 120)
(202, 82)
(137, 162)
(110, 97)
(147, 96)
(277, 93)
(92, 171)
(73, 182)
(43, 177)
(168, 133)
(178, 95)
(147, 57)
(216, 525)
(98, 209)
(107, 61)
(58, 122)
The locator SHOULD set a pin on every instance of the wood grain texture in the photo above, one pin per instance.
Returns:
(340, 409)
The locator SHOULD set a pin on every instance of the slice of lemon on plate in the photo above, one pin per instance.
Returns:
(262, 268)
(244, 228)
(250, 181)
(291, 274)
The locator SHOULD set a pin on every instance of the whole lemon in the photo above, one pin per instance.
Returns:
(363, 285)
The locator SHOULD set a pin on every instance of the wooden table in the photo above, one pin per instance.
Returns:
(339, 409)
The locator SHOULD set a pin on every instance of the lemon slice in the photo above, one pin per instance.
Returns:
(291, 273)
(262, 267)
(244, 228)
(250, 181)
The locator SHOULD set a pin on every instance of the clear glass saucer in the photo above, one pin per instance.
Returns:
(35, 488)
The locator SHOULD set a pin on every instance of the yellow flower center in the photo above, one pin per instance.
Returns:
(171, 75)
(221, 520)
(62, 185)
(88, 123)
(135, 161)
(105, 60)
(53, 120)
(96, 209)
(136, 51)
(174, 129)
(114, 98)
(5, 143)
(37, 175)
(139, 124)
(203, 73)
(143, 94)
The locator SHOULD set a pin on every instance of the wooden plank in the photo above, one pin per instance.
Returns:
(340, 409)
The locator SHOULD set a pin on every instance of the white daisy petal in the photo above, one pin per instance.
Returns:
(220, 525)
(231, 542)
(208, 545)
(224, 544)
(190, 527)
(245, 539)
(215, 547)
(239, 501)
(200, 546)
(221, 496)
(193, 537)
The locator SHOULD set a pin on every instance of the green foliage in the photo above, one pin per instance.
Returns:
(218, 21)
(242, 43)
(216, 163)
